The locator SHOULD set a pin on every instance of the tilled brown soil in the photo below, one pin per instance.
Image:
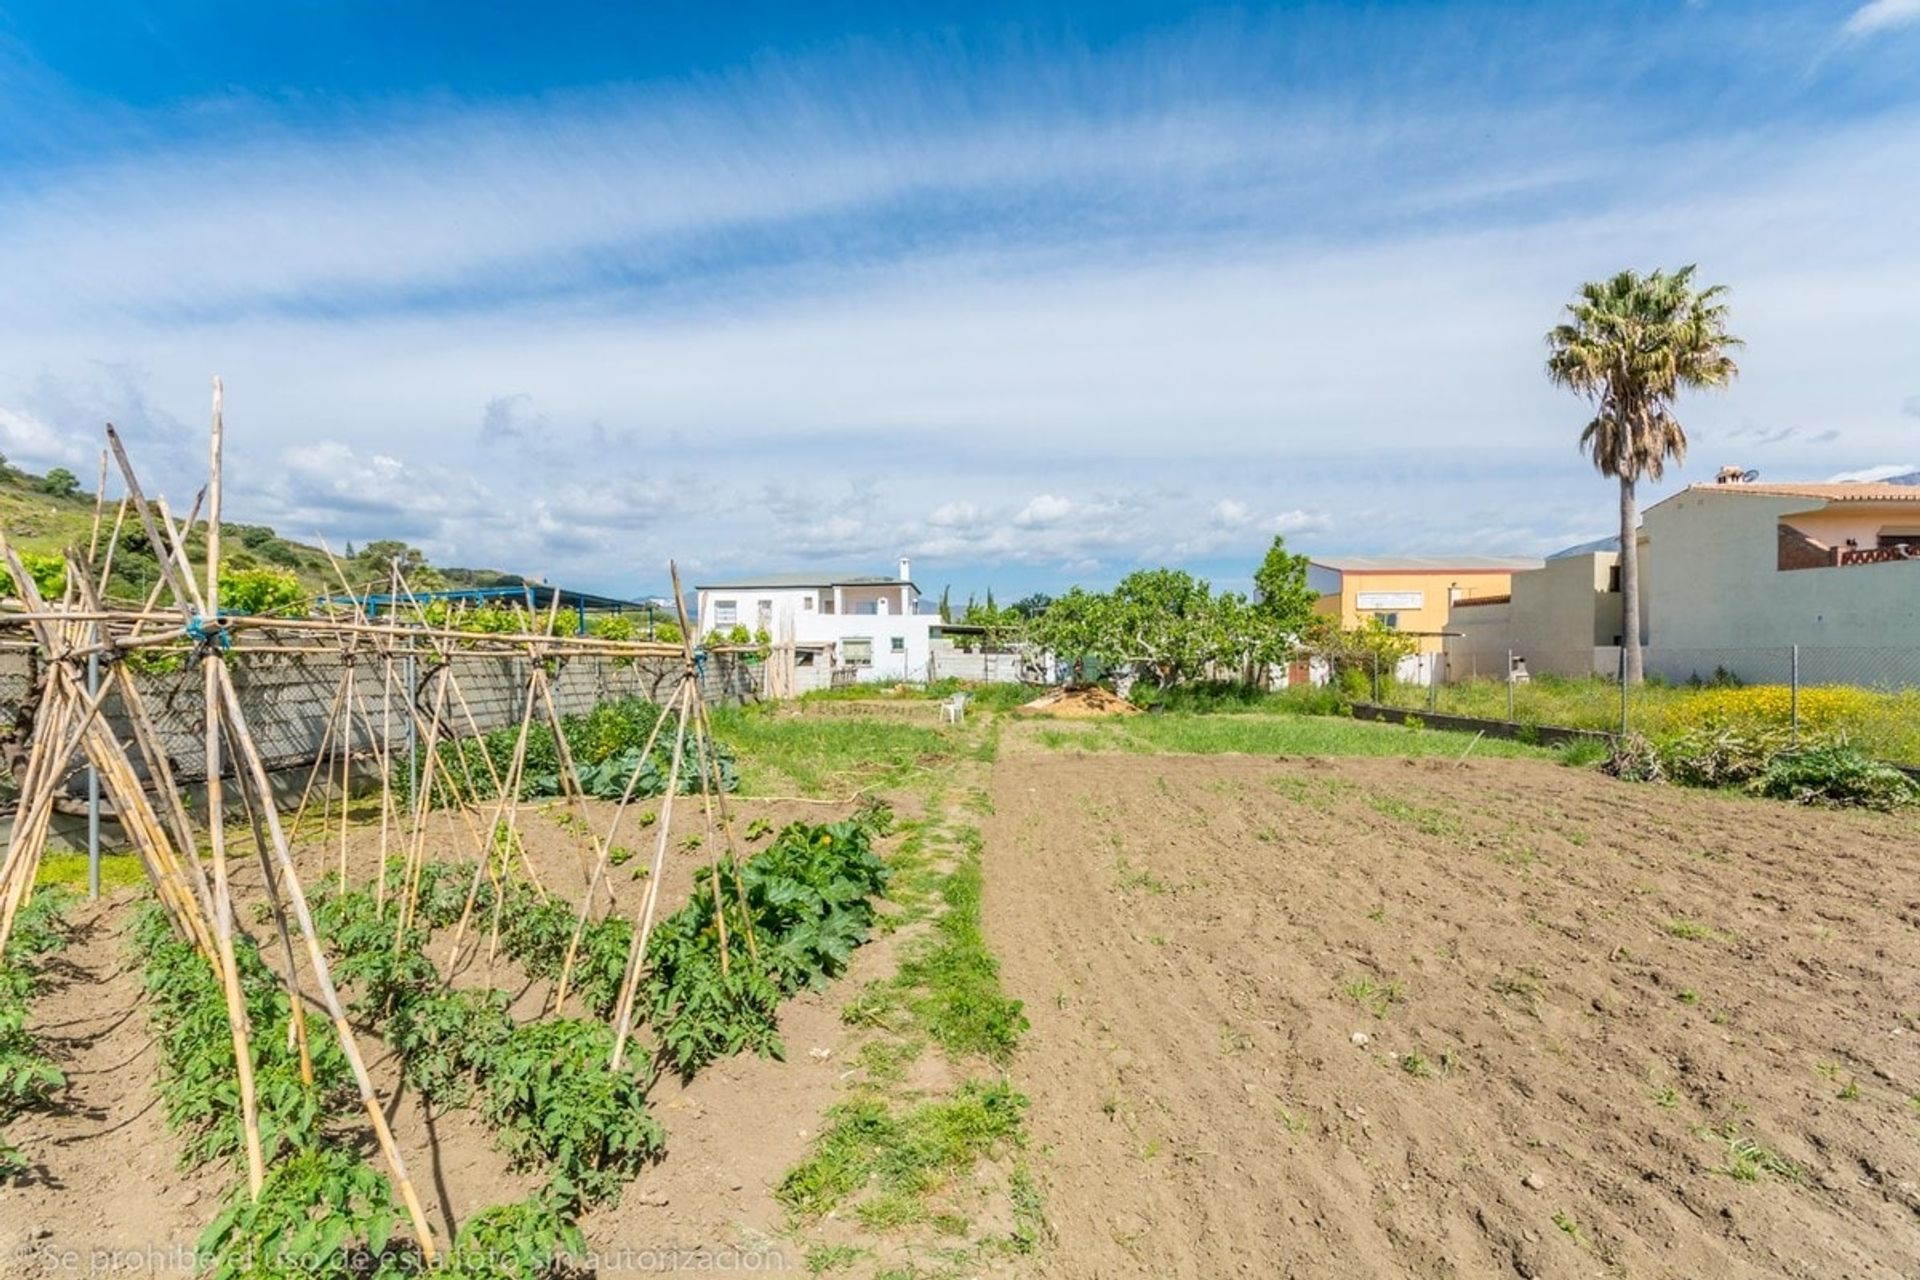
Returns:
(1386, 1018)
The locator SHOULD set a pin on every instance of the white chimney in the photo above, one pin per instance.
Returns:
(906, 569)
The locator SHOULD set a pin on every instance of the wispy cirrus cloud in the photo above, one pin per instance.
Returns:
(1877, 16)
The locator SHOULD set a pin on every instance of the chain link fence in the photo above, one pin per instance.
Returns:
(1868, 695)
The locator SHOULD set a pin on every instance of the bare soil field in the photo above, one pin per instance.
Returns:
(1368, 1017)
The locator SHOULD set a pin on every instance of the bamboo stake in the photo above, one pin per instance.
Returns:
(113, 544)
(217, 837)
(296, 1003)
(711, 783)
(316, 957)
(637, 953)
(167, 573)
(99, 508)
(319, 759)
(606, 848)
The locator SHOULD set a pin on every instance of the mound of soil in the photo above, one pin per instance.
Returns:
(1392, 1018)
(1079, 702)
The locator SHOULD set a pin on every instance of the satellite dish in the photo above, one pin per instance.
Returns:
(1748, 477)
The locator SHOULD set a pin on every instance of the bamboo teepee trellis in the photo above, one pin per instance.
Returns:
(186, 860)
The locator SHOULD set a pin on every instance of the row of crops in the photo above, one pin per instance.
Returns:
(546, 1087)
(28, 1076)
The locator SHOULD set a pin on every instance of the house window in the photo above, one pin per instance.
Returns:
(1613, 579)
(1391, 621)
(806, 604)
(857, 650)
(726, 612)
(898, 644)
(765, 616)
(826, 604)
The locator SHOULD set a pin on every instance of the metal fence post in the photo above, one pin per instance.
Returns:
(1794, 697)
(1509, 686)
(1623, 690)
(1376, 676)
(93, 790)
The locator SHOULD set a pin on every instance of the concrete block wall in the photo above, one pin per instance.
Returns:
(288, 698)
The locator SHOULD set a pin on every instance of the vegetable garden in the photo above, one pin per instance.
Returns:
(263, 1034)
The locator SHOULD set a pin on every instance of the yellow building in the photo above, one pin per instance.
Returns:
(1410, 593)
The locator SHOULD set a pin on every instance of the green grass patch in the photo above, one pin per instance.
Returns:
(823, 756)
(890, 1162)
(1883, 722)
(69, 870)
(1426, 820)
(1692, 930)
(1276, 734)
(948, 984)
(1373, 995)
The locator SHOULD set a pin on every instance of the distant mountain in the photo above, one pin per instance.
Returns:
(1897, 473)
(1588, 548)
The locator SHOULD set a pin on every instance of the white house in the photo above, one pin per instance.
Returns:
(869, 623)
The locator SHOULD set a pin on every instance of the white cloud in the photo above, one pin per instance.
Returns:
(1882, 15)
(1042, 511)
(954, 515)
(30, 443)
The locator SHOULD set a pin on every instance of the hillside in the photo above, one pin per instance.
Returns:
(46, 518)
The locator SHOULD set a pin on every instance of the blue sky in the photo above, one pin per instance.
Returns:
(1033, 296)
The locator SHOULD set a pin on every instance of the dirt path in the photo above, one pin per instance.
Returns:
(1375, 1018)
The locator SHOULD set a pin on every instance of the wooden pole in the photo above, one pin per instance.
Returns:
(637, 952)
(217, 838)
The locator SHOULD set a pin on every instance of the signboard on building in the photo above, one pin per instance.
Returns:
(1383, 600)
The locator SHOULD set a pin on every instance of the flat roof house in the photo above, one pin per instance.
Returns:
(1560, 619)
(870, 623)
(1409, 593)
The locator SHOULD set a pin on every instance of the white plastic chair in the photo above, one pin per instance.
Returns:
(954, 709)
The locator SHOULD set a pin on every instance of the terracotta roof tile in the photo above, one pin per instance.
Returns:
(1825, 492)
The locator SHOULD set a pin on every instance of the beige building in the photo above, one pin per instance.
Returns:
(1560, 619)
(1733, 577)
(1409, 593)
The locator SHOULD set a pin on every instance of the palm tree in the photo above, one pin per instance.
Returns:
(1630, 345)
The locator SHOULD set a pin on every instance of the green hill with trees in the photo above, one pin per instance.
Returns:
(43, 515)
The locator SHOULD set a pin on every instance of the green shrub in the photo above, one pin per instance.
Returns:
(1838, 775)
(262, 592)
(1583, 753)
(1721, 756)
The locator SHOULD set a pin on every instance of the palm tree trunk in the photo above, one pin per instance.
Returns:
(1632, 669)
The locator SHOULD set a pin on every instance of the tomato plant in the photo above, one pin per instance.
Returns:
(28, 1076)
(554, 1097)
(198, 1083)
(320, 1213)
